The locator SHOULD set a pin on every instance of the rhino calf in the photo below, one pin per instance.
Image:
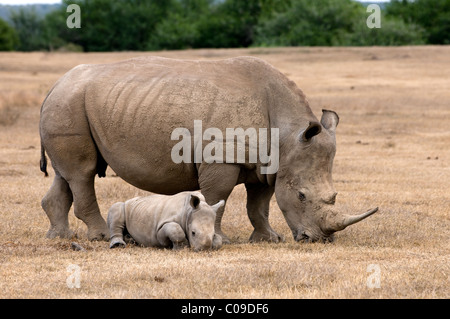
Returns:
(165, 221)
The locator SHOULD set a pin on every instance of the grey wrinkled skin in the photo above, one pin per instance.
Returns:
(184, 219)
(123, 114)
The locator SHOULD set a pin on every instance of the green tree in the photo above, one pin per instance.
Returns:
(233, 23)
(211, 24)
(8, 37)
(334, 22)
(115, 25)
(319, 22)
(54, 30)
(29, 28)
(240, 19)
(432, 15)
(393, 31)
(180, 29)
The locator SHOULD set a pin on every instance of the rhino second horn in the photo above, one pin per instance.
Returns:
(347, 220)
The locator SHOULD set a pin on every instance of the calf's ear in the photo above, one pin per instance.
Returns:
(194, 201)
(218, 205)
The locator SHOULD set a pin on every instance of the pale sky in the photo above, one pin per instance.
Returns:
(59, 1)
(28, 1)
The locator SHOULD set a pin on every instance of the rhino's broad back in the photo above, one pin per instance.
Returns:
(134, 106)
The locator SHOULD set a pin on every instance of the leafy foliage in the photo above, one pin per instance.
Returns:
(30, 30)
(319, 22)
(8, 37)
(432, 15)
(179, 24)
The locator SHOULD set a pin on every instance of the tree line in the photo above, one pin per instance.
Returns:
(180, 24)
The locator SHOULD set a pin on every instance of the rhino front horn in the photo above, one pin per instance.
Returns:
(339, 222)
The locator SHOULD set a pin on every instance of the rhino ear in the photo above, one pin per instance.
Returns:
(312, 130)
(329, 120)
(218, 205)
(194, 201)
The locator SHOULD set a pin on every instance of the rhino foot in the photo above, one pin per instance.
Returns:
(225, 239)
(98, 234)
(117, 243)
(62, 233)
(129, 240)
(180, 244)
(269, 236)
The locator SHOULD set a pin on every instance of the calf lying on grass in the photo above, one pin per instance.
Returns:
(165, 221)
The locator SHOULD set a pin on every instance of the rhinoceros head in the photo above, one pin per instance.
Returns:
(200, 225)
(304, 187)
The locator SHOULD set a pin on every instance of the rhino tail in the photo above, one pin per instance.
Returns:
(101, 165)
(43, 162)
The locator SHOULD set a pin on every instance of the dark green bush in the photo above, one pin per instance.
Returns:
(393, 31)
(179, 24)
(29, 27)
(8, 37)
(319, 22)
(432, 15)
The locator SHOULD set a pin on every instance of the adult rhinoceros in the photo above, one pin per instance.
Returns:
(123, 115)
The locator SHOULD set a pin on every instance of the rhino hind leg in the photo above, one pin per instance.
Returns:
(86, 207)
(75, 157)
(56, 204)
(258, 200)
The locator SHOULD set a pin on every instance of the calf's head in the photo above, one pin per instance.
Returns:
(200, 225)
(304, 187)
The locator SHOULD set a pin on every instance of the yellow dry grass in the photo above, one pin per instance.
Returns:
(393, 152)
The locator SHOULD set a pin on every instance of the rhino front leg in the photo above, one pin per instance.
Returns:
(116, 225)
(258, 200)
(217, 182)
(217, 241)
(172, 233)
(56, 204)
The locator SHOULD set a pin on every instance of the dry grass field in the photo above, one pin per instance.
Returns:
(393, 151)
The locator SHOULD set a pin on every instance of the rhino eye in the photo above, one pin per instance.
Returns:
(301, 196)
(193, 233)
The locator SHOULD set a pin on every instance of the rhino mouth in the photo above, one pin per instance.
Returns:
(307, 237)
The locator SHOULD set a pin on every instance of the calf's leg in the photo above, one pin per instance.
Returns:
(172, 233)
(116, 225)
